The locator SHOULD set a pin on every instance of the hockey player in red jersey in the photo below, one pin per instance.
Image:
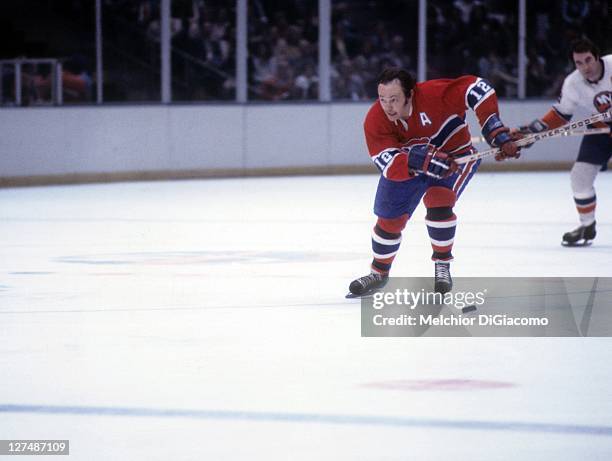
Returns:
(413, 134)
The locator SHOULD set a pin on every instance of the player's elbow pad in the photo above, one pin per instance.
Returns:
(391, 163)
(495, 132)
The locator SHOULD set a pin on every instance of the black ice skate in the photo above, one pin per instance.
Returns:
(581, 236)
(366, 285)
(443, 281)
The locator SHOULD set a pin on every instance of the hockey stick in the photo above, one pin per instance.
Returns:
(586, 132)
(531, 138)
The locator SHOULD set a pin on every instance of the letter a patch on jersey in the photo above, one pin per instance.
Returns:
(424, 119)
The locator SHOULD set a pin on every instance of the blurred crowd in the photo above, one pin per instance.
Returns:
(481, 37)
(552, 26)
(463, 36)
(474, 37)
(283, 49)
(367, 37)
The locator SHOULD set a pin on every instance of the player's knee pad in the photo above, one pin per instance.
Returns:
(386, 240)
(439, 197)
(394, 225)
(583, 177)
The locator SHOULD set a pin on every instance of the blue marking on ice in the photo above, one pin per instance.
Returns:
(513, 426)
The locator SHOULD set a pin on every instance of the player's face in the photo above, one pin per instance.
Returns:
(393, 100)
(588, 66)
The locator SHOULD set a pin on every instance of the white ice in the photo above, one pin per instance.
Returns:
(198, 320)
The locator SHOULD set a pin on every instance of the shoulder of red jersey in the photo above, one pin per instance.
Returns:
(466, 92)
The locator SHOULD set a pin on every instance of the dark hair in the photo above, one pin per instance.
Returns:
(391, 73)
(584, 45)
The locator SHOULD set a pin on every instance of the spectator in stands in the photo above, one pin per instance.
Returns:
(538, 77)
(76, 82)
(306, 85)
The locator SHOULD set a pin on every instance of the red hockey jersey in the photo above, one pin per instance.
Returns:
(438, 118)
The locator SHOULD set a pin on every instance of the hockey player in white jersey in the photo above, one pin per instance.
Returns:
(589, 88)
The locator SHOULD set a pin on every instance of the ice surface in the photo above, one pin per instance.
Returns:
(206, 319)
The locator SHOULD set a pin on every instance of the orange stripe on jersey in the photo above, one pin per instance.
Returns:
(385, 260)
(585, 209)
(553, 120)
